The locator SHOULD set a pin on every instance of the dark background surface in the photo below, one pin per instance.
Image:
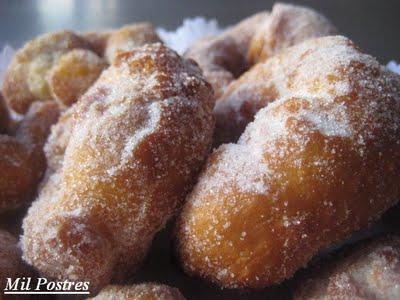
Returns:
(372, 24)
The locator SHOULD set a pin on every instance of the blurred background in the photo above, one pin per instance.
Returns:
(372, 24)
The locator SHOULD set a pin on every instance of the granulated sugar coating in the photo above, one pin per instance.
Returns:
(138, 138)
(317, 164)
(144, 291)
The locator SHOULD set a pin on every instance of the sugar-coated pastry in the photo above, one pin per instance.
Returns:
(11, 263)
(128, 37)
(369, 271)
(22, 160)
(317, 164)
(26, 78)
(287, 25)
(137, 140)
(223, 58)
(73, 74)
(4, 116)
(144, 291)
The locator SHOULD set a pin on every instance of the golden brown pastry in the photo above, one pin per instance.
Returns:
(318, 163)
(138, 138)
(144, 291)
(370, 271)
(73, 74)
(26, 78)
(287, 25)
(128, 37)
(223, 58)
(22, 160)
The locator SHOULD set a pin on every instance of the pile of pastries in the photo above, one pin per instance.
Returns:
(270, 142)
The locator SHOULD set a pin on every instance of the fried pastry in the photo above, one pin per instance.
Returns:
(223, 58)
(128, 37)
(25, 80)
(370, 271)
(22, 160)
(73, 74)
(144, 291)
(317, 164)
(287, 25)
(137, 141)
